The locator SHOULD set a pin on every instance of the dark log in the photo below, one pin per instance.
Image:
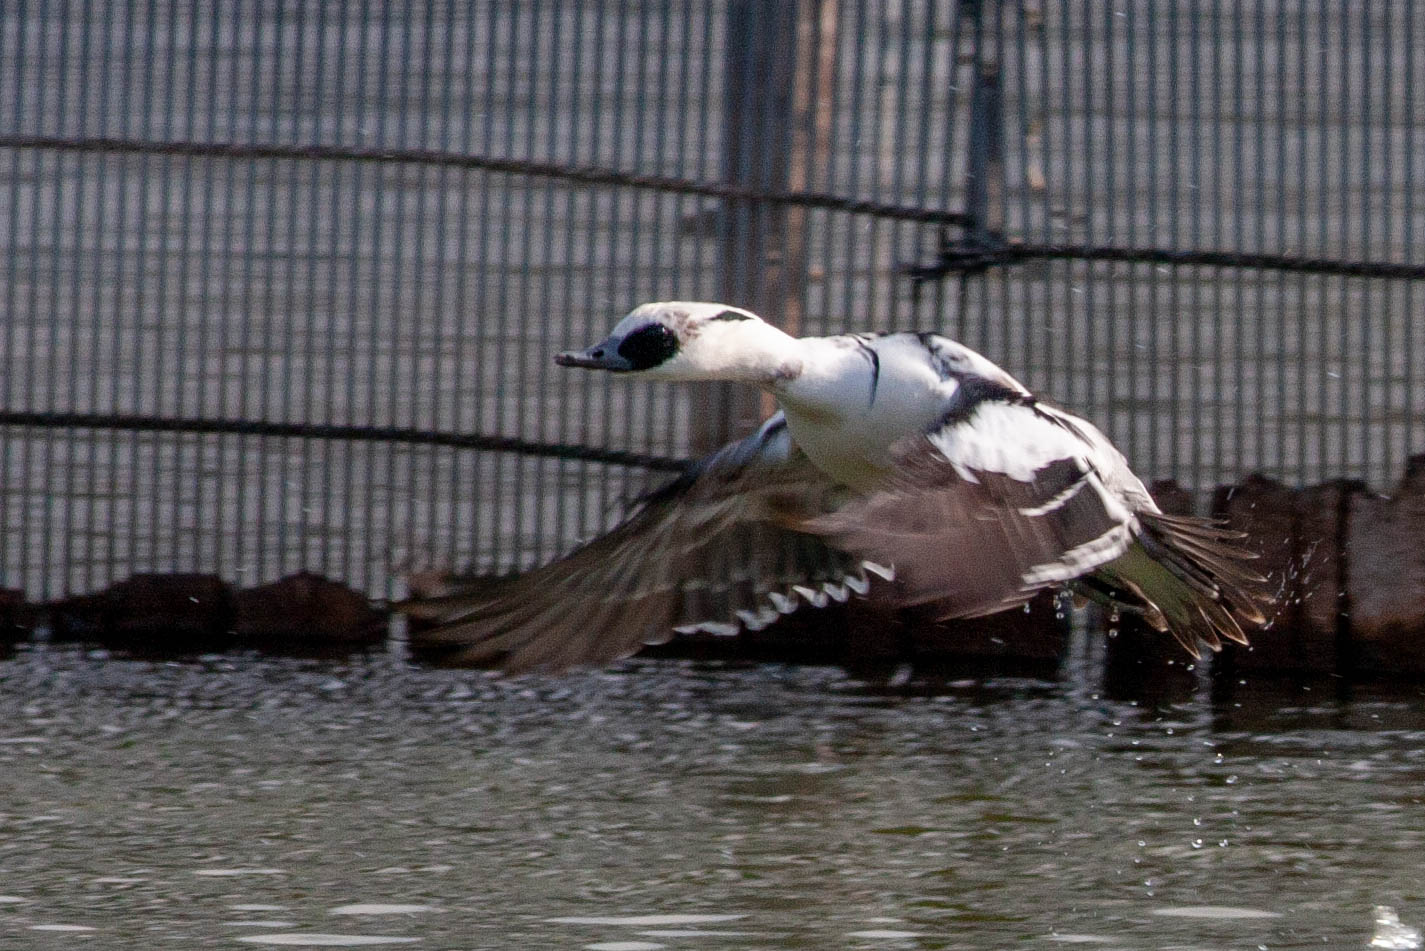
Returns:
(1172, 498)
(1028, 640)
(151, 613)
(1294, 533)
(866, 634)
(1385, 589)
(18, 618)
(1266, 511)
(305, 611)
(1316, 591)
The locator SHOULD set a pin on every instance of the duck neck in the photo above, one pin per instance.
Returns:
(758, 353)
(817, 378)
(830, 380)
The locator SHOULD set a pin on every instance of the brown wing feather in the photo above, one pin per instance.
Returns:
(713, 543)
(969, 544)
(1207, 558)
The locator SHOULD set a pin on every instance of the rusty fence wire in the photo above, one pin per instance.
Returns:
(281, 279)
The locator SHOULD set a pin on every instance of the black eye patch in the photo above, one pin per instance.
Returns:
(648, 346)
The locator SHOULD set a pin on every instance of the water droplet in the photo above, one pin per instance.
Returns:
(1390, 933)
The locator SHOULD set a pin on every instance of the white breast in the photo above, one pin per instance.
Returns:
(854, 400)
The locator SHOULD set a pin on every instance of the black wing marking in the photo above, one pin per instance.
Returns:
(875, 359)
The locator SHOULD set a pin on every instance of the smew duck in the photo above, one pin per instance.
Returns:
(907, 456)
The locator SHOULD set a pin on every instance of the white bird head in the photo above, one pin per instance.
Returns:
(685, 340)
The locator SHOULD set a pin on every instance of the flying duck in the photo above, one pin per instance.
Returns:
(906, 456)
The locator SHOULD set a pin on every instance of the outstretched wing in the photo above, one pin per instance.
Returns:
(711, 551)
(1007, 497)
(1002, 499)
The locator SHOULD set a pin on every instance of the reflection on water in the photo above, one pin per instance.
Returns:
(1215, 911)
(1392, 934)
(246, 801)
(315, 940)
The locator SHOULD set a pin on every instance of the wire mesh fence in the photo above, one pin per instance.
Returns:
(281, 280)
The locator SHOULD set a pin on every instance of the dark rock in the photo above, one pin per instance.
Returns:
(867, 634)
(305, 611)
(1315, 591)
(151, 613)
(18, 618)
(1385, 550)
(872, 634)
(1172, 498)
(1297, 534)
(1031, 641)
(1267, 511)
(78, 617)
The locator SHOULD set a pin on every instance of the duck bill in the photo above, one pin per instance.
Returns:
(601, 356)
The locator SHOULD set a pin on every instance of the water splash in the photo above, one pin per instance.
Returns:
(1390, 933)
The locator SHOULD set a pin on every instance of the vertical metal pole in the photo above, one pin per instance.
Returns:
(816, 26)
(984, 178)
(758, 109)
(984, 173)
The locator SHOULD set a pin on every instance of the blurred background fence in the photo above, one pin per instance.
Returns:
(281, 280)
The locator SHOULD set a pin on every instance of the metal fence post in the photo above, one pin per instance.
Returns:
(770, 74)
(984, 177)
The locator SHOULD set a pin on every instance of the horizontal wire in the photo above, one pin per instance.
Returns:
(581, 174)
(955, 257)
(336, 432)
(962, 257)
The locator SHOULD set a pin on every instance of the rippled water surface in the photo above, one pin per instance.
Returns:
(246, 802)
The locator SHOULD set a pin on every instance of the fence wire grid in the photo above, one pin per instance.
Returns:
(281, 280)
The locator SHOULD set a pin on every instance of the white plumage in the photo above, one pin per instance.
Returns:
(905, 455)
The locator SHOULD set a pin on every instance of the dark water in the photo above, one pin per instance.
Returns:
(244, 802)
